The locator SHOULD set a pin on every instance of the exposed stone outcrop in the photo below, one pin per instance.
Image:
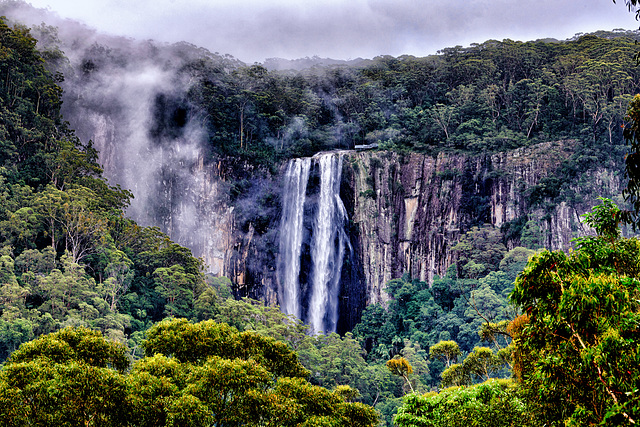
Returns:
(406, 211)
(410, 210)
(174, 189)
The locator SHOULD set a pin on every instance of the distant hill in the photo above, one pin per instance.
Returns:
(281, 64)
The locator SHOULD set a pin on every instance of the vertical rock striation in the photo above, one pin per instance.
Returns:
(408, 211)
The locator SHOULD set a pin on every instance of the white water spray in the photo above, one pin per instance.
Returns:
(327, 245)
(291, 233)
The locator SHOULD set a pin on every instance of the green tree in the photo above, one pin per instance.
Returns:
(479, 251)
(68, 292)
(447, 351)
(176, 287)
(74, 214)
(230, 390)
(211, 375)
(72, 377)
(419, 360)
(492, 403)
(227, 378)
(334, 360)
(193, 342)
(443, 116)
(401, 367)
(456, 375)
(482, 363)
(371, 327)
(577, 353)
(153, 383)
(119, 273)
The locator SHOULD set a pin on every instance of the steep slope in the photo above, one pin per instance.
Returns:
(410, 211)
(202, 141)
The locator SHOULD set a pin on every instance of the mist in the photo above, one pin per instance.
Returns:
(127, 97)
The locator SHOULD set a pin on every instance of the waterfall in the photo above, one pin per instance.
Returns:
(327, 246)
(313, 223)
(291, 232)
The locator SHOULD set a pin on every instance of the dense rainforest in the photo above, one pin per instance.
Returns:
(489, 98)
(73, 268)
(493, 96)
(93, 304)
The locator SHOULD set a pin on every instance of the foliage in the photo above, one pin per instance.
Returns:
(71, 377)
(577, 353)
(480, 364)
(77, 377)
(492, 403)
(195, 342)
(605, 219)
(439, 329)
(401, 367)
(632, 160)
(479, 251)
(485, 98)
(73, 344)
(447, 351)
(69, 255)
(229, 375)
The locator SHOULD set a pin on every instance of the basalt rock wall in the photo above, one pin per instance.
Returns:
(405, 211)
(408, 211)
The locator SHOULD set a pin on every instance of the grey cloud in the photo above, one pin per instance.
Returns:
(342, 29)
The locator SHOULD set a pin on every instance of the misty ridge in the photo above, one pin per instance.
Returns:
(199, 137)
(131, 99)
(395, 201)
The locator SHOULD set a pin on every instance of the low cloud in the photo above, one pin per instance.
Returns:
(342, 29)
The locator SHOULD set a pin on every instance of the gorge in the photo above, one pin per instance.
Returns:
(379, 233)
(385, 213)
(238, 162)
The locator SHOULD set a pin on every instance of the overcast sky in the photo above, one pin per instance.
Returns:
(253, 30)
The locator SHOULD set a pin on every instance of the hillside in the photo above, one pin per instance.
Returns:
(130, 169)
(201, 141)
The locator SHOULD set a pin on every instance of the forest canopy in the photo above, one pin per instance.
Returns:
(202, 374)
(85, 291)
(488, 97)
(69, 255)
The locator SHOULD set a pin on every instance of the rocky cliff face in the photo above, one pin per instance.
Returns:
(174, 189)
(409, 211)
(406, 212)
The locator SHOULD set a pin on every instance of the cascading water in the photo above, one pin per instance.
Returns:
(313, 241)
(327, 246)
(291, 232)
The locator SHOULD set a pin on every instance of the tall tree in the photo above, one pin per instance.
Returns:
(72, 377)
(578, 354)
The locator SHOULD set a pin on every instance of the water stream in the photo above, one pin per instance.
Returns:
(313, 241)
